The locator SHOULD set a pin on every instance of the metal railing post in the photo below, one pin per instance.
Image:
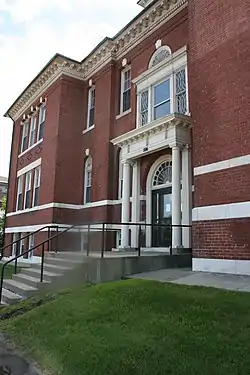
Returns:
(42, 264)
(139, 241)
(57, 239)
(88, 240)
(103, 239)
(49, 242)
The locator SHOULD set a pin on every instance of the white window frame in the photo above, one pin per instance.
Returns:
(156, 74)
(25, 134)
(32, 134)
(42, 116)
(19, 191)
(128, 68)
(37, 182)
(28, 179)
(91, 90)
(88, 167)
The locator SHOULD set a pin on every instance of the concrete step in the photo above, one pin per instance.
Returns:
(36, 272)
(32, 281)
(63, 262)
(9, 298)
(67, 255)
(19, 288)
(52, 268)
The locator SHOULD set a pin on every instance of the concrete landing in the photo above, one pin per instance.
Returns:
(187, 277)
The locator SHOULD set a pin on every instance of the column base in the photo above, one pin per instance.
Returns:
(124, 249)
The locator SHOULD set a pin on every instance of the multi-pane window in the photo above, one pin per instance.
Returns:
(88, 180)
(164, 98)
(42, 114)
(37, 180)
(32, 138)
(126, 90)
(27, 196)
(19, 201)
(24, 144)
(181, 92)
(91, 108)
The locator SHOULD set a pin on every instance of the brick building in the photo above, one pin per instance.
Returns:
(151, 127)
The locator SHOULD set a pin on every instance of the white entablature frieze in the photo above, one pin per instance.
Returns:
(109, 49)
(149, 130)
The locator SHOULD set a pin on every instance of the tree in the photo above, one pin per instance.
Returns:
(2, 221)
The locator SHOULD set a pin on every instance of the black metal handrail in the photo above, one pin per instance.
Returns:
(104, 228)
(26, 252)
(25, 237)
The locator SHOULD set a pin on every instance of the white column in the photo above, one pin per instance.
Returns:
(186, 197)
(125, 205)
(135, 216)
(176, 197)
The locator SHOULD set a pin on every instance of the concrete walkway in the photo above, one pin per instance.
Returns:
(187, 277)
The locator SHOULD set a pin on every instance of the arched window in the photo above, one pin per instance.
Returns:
(88, 180)
(163, 174)
(161, 54)
(120, 176)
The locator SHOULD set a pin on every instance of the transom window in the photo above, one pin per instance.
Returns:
(161, 54)
(163, 174)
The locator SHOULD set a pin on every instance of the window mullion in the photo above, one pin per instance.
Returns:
(150, 104)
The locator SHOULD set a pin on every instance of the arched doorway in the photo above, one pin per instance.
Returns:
(159, 203)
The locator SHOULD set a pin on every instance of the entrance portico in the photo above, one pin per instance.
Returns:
(168, 187)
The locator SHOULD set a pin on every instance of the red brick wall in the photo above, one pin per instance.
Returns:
(222, 239)
(219, 84)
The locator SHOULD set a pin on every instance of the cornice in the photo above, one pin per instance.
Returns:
(174, 120)
(110, 49)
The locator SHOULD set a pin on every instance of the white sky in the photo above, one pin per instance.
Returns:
(31, 32)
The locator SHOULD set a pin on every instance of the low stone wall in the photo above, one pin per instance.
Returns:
(111, 269)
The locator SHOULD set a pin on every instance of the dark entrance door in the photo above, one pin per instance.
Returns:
(162, 214)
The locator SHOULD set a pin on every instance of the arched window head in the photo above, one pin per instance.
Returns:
(163, 174)
(88, 180)
(161, 54)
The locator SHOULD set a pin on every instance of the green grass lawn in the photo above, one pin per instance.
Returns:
(138, 328)
(9, 270)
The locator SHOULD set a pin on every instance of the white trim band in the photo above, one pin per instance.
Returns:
(67, 206)
(222, 212)
(29, 167)
(232, 266)
(220, 165)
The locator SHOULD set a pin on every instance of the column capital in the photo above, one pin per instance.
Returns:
(128, 162)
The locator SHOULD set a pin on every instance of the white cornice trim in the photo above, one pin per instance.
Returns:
(110, 49)
(152, 128)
